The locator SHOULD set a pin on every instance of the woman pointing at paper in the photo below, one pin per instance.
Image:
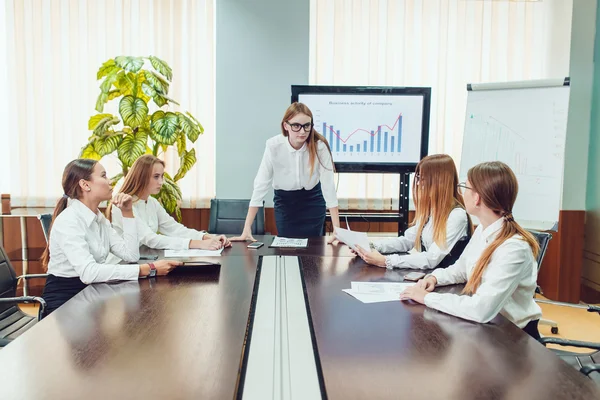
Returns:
(298, 164)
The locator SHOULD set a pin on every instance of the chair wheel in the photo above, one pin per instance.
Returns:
(554, 330)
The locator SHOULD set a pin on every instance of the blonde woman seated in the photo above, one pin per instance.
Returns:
(156, 228)
(440, 221)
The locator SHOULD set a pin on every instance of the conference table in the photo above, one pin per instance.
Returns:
(188, 335)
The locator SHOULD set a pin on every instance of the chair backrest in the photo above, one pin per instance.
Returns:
(46, 221)
(229, 216)
(543, 239)
(8, 280)
(455, 253)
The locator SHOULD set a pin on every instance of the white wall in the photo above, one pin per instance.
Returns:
(262, 48)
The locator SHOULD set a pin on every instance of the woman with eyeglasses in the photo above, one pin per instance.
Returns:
(440, 221)
(299, 166)
(498, 266)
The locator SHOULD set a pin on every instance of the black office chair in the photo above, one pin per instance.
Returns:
(587, 363)
(543, 239)
(229, 216)
(13, 321)
(46, 221)
(455, 253)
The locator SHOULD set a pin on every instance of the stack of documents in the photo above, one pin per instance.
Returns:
(377, 292)
(286, 242)
(352, 238)
(193, 253)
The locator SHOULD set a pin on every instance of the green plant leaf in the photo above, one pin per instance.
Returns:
(113, 94)
(104, 125)
(148, 90)
(102, 99)
(88, 151)
(125, 82)
(181, 145)
(161, 67)
(107, 68)
(187, 162)
(133, 110)
(198, 124)
(95, 120)
(164, 127)
(169, 196)
(131, 64)
(174, 185)
(189, 127)
(157, 82)
(132, 147)
(108, 81)
(107, 144)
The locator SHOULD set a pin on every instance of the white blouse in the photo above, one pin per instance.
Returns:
(507, 286)
(157, 229)
(456, 227)
(286, 168)
(81, 240)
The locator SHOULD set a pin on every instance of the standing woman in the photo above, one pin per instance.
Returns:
(299, 165)
(81, 237)
(156, 228)
(498, 266)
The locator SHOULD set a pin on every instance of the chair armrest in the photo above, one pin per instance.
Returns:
(574, 343)
(26, 299)
(28, 276)
(588, 369)
(592, 308)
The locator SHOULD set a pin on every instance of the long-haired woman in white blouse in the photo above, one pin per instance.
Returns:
(81, 237)
(498, 266)
(298, 164)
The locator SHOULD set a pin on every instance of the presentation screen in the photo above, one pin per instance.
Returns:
(382, 129)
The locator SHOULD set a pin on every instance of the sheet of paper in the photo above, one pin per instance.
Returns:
(352, 238)
(392, 288)
(193, 253)
(287, 242)
(372, 298)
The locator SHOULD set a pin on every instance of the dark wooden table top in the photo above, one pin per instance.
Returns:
(174, 337)
(183, 337)
(398, 350)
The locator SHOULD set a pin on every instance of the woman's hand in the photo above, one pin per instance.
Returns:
(372, 257)
(246, 235)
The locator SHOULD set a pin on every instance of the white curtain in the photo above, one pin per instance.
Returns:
(442, 44)
(50, 53)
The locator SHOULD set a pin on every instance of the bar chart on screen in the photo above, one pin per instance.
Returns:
(369, 128)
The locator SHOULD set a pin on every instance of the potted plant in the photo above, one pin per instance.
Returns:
(136, 131)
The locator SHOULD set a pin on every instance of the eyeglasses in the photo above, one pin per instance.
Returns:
(296, 126)
(417, 178)
(462, 187)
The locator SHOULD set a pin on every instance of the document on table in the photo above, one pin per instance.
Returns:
(377, 292)
(352, 238)
(287, 242)
(193, 253)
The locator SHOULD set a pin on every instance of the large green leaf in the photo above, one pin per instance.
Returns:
(164, 127)
(95, 120)
(148, 90)
(125, 82)
(133, 110)
(107, 68)
(161, 67)
(189, 127)
(104, 125)
(132, 147)
(108, 81)
(174, 185)
(131, 64)
(88, 151)
(157, 82)
(187, 162)
(113, 94)
(141, 80)
(107, 144)
(181, 144)
(115, 179)
(198, 124)
(102, 99)
(169, 196)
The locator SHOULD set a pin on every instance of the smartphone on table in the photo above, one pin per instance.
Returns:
(414, 276)
(255, 245)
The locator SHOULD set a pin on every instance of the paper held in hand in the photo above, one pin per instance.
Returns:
(352, 238)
